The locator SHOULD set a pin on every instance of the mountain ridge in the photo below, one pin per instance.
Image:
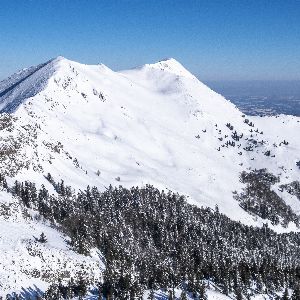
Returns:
(141, 125)
(67, 129)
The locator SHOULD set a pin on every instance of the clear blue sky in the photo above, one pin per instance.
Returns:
(215, 40)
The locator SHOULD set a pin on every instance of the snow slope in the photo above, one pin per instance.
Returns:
(153, 124)
(157, 124)
(28, 266)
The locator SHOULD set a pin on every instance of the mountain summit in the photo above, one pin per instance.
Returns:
(155, 124)
(170, 65)
(70, 131)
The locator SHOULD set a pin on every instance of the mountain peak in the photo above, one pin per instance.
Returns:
(186, 128)
(59, 58)
(171, 65)
(169, 60)
(31, 81)
(58, 61)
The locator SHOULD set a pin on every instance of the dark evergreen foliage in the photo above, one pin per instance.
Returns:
(259, 199)
(292, 188)
(42, 238)
(3, 182)
(154, 239)
(285, 295)
(296, 293)
(69, 291)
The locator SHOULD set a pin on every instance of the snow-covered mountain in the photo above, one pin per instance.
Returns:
(157, 124)
(154, 124)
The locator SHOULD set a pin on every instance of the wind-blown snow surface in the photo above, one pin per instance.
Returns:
(154, 124)
(157, 124)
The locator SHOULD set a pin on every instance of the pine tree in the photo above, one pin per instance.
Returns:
(238, 294)
(42, 239)
(81, 288)
(151, 295)
(170, 295)
(202, 292)
(296, 293)
(183, 296)
(285, 295)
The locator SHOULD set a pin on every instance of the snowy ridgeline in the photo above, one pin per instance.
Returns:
(156, 124)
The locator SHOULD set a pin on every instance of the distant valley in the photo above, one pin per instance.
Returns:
(261, 97)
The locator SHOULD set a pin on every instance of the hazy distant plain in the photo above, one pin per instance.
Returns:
(261, 97)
